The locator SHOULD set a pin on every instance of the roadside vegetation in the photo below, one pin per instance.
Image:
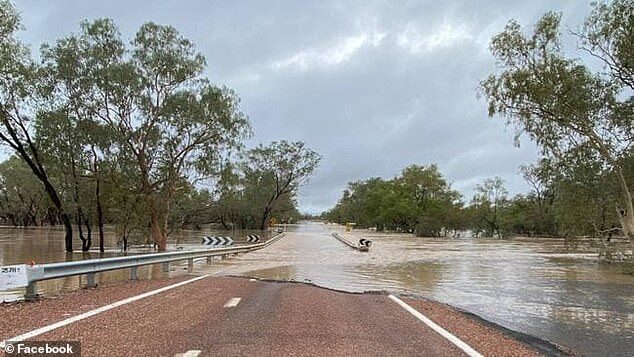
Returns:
(420, 201)
(580, 112)
(129, 132)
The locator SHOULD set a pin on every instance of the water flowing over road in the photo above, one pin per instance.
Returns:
(541, 287)
(535, 286)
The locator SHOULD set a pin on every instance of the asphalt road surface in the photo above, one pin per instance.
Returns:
(239, 316)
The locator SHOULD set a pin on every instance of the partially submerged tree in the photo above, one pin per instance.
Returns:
(560, 103)
(489, 200)
(280, 167)
(419, 200)
(18, 108)
(23, 201)
(154, 101)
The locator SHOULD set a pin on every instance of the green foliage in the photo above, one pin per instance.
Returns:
(151, 102)
(571, 198)
(124, 132)
(23, 201)
(265, 185)
(419, 200)
(489, 201)
(571, 112)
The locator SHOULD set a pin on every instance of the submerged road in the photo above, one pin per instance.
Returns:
(239, 316)
(206, 314)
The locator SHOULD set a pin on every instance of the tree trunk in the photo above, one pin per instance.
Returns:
(64, 217)
(99, 217)
(158, 235)
(267, 211)
(68, 238)
(224, 224)
(85, 245)
(38, 170)
(626, 211)
(88, 225)
(265, 218)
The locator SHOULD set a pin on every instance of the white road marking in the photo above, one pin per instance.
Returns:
(251, 279)
(190, 353)
(94, 312)
(233, 302)
(441, 331)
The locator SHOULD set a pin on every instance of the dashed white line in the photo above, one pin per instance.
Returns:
(233, 302)
(441, 331)
(190, 353)
(94, 312)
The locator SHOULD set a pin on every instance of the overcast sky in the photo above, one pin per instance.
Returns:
(372, 86)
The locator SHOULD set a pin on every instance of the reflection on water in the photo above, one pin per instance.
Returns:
(46, 245)
(542, 287)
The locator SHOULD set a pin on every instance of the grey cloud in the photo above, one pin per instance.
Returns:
(374, 86)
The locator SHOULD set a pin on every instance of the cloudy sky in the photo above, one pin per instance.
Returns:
(373, 86)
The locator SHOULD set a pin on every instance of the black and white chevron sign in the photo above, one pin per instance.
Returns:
(365, 242)
(217, 241)
(253, 238)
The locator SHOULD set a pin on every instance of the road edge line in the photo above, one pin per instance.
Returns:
(96, 311)
(441, 331)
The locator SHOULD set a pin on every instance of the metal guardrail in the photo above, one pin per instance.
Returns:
(90, 267)
(351, 245)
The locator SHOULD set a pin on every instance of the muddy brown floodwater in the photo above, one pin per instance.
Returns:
(541, 287)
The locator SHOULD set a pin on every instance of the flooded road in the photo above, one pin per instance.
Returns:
(541, 287)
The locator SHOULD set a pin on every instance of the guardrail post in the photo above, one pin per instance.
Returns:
(134, 273)
(190, 265)
(166, 267)
(210, 259)
(90, 280)
(31, 291)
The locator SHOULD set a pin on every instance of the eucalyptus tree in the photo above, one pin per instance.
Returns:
(154, 101)
(63, 149)
(23, 201)
(232, 190)
(579, 197)
(123, 201)
(19, 104)
(540, 200)
(563, 105)
(419, 200)
(73, 139)
(431, 196)
(490, 199)
(280, 168)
